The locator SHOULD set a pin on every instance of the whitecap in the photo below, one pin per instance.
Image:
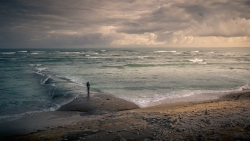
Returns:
(70, 52)
(196, 51)
(35, 65)
(141, 57)
(34, 53)
(245, 87)
(196, 60)
(101, 57)
(22, 51)
(162, 51)
(45, 80)
(8, 52)
(38, 51)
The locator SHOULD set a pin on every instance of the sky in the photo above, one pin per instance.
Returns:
(124, 23)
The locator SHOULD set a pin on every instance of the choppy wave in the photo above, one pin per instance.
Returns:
(39, 71)
(46, 80)
(163, 51)
(195, 60)
(211, 52)
(141, 65)
(240, 68)
(37, 51)
(93, 57)
(142, 57)
(70, 53)
(35, 65)
(112, 66)
(34, 53)
(22, 51)
(196, 51)
(7, 52)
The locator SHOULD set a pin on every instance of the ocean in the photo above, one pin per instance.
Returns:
(39, 80)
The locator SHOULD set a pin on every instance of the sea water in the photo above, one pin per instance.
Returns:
(37, 80)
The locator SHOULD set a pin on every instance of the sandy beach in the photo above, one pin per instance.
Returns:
(104, 117)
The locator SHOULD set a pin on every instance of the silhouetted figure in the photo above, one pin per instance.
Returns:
(88, 86)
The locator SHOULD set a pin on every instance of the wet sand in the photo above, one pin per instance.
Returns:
(109, 118)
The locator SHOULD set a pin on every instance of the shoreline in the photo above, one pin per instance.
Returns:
(77, 121)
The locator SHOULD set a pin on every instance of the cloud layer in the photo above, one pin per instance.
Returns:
(111, 23)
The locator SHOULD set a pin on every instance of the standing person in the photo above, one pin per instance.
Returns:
(88, 86)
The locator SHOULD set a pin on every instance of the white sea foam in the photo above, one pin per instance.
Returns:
(142, 57)
(175, 96)
(35, 65)
(8, 52)
(162, 51)
(70, 53)
(38, 51)
(245, 87)
(196, 51)
(35, 53)
(22, 51)
(98, 57)
(45, 80)
(195, 60)
(41, 69)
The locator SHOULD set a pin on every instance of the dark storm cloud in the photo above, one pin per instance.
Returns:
(247, 2)
(114, 22)
(25, 21)
(89, 39)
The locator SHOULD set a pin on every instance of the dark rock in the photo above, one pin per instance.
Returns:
(247, 127)
(200, 138)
